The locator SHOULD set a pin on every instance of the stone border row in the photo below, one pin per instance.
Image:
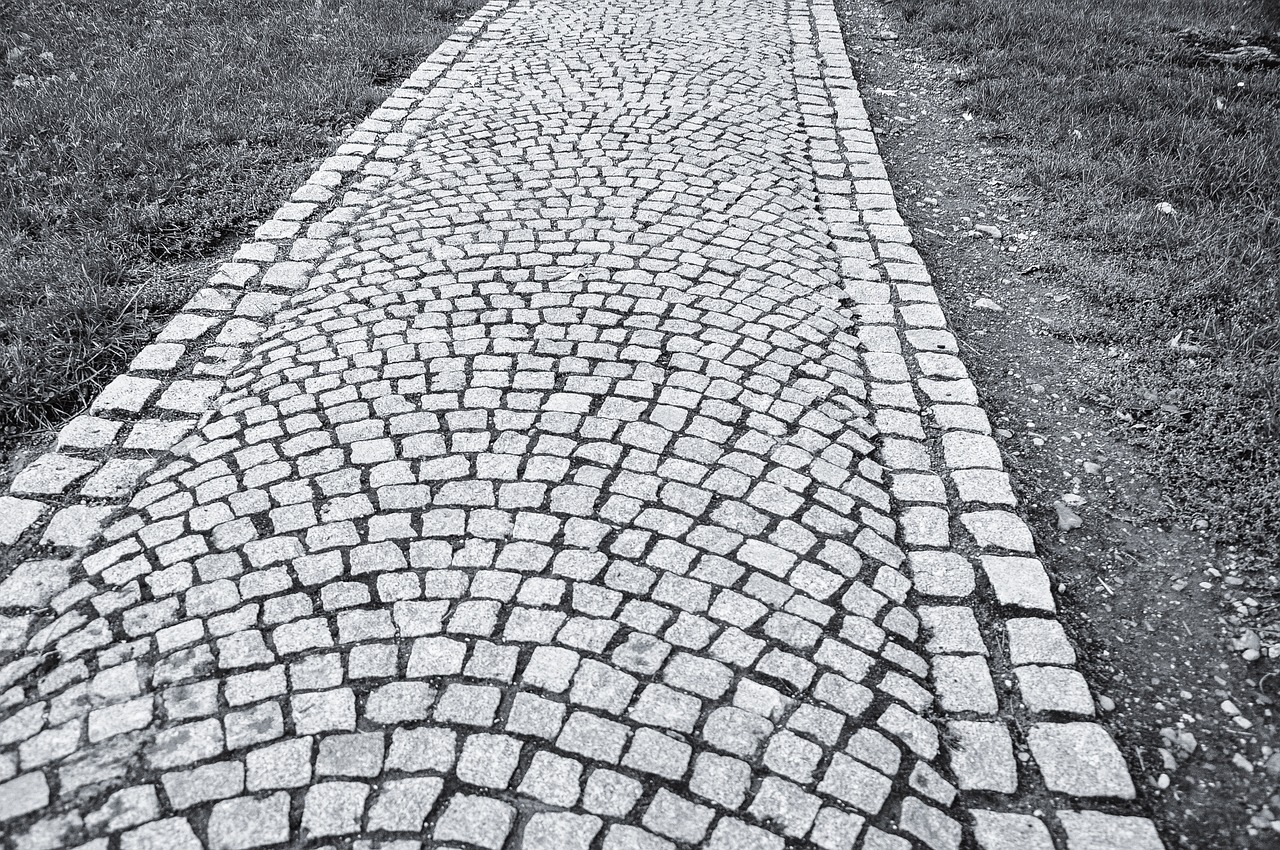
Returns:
(1065, 760)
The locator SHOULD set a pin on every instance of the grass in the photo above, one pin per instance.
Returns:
(1113, 110)
(138, 136)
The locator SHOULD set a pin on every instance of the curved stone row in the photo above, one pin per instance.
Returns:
(543, 516)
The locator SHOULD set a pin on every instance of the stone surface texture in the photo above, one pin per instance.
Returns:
(552, 471)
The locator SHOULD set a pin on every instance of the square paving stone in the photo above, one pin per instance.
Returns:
(876, 839)
(855, 784)
(471, 705)
(488, 760)
(914, 731)
(1099, 831)
(963, 683)
(792, 756)
(1080, 759)
(653, 752)
(593, 737)
(1054, 689)
(400, 702)
(475, 820)
(246, 822)
(931, 826)
(334, 808)
(1019, 582)
(786, 805)
(359, 754)
(403, 805)
(834, 829)
(324, 711)
(733, 834)
(283, 765)
(534, 715)
(168, 834)
(721, 779)
(553, 779)
(204, 783)
(611, 794)
(736, 731)
(560, 831)
(599, 686)
(1001, 831)
(1039, 641)
(659, 705)
(677, 818)
(415, 750)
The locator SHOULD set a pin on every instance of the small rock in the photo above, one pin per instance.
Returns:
(1106, 703)
(1229, 708)
(1166, 208)
(989, 230)
(1248, 640)
(988, 304)
(1162, 782)
(1242, 763)
(1067, 518)
(1092, 468)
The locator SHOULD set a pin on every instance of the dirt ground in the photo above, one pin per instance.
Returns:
(1164, 619)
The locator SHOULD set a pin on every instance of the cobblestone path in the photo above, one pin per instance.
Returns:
(579, 460)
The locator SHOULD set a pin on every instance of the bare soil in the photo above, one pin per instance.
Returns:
(1161, 614)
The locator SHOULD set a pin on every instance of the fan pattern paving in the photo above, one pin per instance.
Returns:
(549, 473)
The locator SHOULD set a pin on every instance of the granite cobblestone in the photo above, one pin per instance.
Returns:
(578, 459)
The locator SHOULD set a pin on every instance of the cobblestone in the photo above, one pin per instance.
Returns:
(982, 756)
(1080, 759)
(999, 831)
(578, 459)
(1096, 830)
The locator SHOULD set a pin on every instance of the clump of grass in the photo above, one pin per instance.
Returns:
(136, 134)
(1114, 110)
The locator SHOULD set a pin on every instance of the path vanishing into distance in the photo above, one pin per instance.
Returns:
(579, 459)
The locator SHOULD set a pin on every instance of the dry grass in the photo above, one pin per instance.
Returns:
(1113, 110)
(136, 134)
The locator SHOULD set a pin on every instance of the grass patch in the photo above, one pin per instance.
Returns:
(1152, 127)
(140, 134)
